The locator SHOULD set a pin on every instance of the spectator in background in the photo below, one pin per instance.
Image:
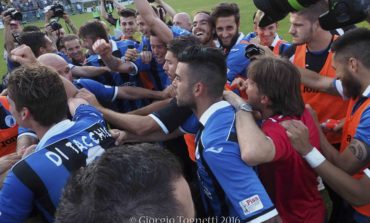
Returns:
(183, 20)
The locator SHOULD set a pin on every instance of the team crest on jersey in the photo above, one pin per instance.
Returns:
(251, 204)
(10, 121)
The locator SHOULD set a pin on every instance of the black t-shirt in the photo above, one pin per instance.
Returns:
(314, 60)
(172, 116)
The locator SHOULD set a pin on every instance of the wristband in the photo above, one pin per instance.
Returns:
(314, 158)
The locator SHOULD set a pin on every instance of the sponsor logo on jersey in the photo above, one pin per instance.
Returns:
(251, 204)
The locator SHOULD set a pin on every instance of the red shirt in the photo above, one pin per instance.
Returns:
(289, 180)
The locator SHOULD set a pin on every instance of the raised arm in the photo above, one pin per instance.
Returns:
(170, 11)
(153, 21)
(104, 49)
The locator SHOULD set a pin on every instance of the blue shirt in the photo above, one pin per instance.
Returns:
(236, 62)
(114, 78)
(363, 128)
(39, 178)
(104, 93)
(229, 187)
(178, 31)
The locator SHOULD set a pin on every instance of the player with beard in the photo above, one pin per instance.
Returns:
(225, 18)
(311, 50)
(74, 49)
(352, 51)
(273, 89)
(202, 28)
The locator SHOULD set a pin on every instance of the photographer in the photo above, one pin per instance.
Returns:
(12, 26)
(12, 20)
(54, 29)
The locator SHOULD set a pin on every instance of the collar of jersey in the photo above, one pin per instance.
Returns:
(56, 129)
(276, 39)
(212, 109)
(366, 93)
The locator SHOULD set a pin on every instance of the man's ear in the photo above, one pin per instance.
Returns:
(198, 89)
(353, 64)
(265, 100)
(25, 113)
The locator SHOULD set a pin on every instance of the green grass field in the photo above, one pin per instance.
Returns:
(247, 9)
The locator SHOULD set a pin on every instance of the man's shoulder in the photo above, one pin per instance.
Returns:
(220, 128)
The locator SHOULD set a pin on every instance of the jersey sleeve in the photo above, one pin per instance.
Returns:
(363, 129)
(236, 62)
(88, 112)
(239, 182)
(279, 138)
(16, 200)
(171, 117)
(22, 131)
(103, 93)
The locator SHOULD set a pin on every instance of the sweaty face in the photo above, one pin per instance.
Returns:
(301, 29)
(128, 26)
(202, 28)
(142, 26)
(227, 30)
(351, 84)
(74, 50)
(267, 34)
(183, 86)
(159, 49)
(170, 65)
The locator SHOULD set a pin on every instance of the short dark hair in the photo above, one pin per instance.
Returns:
(93, 29)
(41, 90)
(35, 40)
(207, 65)
(69, 37)
(280, 81)
(179, 44)
(31, 28)
(313, 11)
(354, 43)
(127, 182)
(225, 10)
(127, 12)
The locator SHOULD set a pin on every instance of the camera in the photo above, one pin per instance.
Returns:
(14, 14)
(55, 25)
(17, 38)
(341, 12)
(57, 9)
(253, 50)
